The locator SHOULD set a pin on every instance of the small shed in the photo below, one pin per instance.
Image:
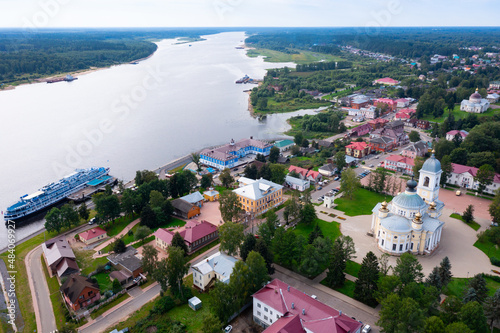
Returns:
(195, 303)
(211, 194)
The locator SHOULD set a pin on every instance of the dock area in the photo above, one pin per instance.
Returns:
(93, 187)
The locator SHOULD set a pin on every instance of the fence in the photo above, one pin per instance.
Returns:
(101, 304)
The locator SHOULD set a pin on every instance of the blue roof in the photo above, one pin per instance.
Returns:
(193, 197)
(408, 201)
(396, 223)
(98, 181)
(432, 165)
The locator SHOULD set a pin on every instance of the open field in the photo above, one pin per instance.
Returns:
(459, 114)
(368, 198)
(303, 57)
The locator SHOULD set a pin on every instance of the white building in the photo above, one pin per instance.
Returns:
(463, 176)
(493, 98)
(327, 170)
(369, 112)
(297, 183)
(410, 222)
(451, 134)
(328, 201)
(218, 266)
(475, 104)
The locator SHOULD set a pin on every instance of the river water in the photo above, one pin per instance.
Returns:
(129, 117)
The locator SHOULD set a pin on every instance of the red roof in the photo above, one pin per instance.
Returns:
(402, 115)
(407, 111)
(357, 145)
(378, 120)
(304, 172)
(463, 134)
(385, 101)
(318, 317)
(401, 159)
(458, 168)
(402, 100)
(92, 233)
(387, 80)
(193, 231)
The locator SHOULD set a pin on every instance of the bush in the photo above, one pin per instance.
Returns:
(163, 305)
(130, 233)
(495, 261)
(117, 287)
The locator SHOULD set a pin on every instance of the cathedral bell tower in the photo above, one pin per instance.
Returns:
(430, 177)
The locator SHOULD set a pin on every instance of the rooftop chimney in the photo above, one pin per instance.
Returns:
(288, 288)
(293, 305)
(304, 312)
(340, 313)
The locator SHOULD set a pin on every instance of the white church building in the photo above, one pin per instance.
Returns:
(410, 222)
(475, 104)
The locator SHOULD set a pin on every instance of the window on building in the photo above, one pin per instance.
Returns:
(411, 247)
(259, 314)
(258, 305)
(401, 247)
(426, 181)
(266, 309)
(265, 318)
(382, 242)
(394, 247)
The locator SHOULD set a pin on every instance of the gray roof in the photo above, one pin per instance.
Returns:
(382, 139)
(75, 285)
(417, 147)
(218, 262)
(431, 224)
(127, 259)
(182, 205)
(258, 189)
(396, 223)
(432, 165)
(350, 159)
(296, 181)
(193, 197)
(56, 249)
(408, 201)
(328, 167)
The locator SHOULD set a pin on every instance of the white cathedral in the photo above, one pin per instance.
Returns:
(475, 104)
(410, 222)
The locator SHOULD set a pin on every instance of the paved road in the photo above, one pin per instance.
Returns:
(41, 291)
(311, 288)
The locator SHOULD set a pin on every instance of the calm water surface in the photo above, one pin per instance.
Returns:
(129, 117)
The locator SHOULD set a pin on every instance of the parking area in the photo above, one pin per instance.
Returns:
(244, 323)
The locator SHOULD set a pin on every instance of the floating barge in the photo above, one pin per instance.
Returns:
(67, 78)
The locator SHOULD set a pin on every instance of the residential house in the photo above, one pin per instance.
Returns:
(389, 103)
(415, 149)
(127, 262)
(92, 235)
(196, 235)
(228, 155)
(402, 116)
(308, 150)
(185, 209)
(493, 98)
(369, 112)
(211, 194)
(360, 130)
(218, 266)
(451, 134)
(402, 102)
(194, 198)
(327, 170)
(383, 144)
(399, 163)
(260, 196)
(59, 257)
(297, 183)
(280, 308)
(394, 130)
(386, 81)
(79, 292)
(283, 160)
(378, 123)
(422, 124)
(360, 101)
(313, 176)
(284, 145)
(357, 149)
(463, 176)
(325, 143)
(494, 85)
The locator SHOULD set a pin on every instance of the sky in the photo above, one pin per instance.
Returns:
(247, 13)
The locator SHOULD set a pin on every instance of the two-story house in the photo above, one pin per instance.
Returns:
(218, 266)
(259, 196)
(80, 292)
(357, 149)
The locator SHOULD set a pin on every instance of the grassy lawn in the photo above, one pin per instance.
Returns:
(352, 268)
(174, 222)
(460, 114)
(368, 199)
(114, 228)
(347, 289)
(103, 281)
(303, 57)
(108, 306)
(489, 248)
(85, 261)
(291, 105)
(474, 225)
(329, 229)
(145, 241)
(296, 124)
(457, 286)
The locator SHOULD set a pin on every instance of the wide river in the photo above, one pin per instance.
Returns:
(129, 117)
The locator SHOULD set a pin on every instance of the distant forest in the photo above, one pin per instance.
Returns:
(27, 55)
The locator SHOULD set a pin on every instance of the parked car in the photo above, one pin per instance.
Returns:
(314, 296)
(494, 224)
(137, 279)
(367, 329)
(92, 220)
(320, 188)
(371, 165)
(228, 329)
(336, 178)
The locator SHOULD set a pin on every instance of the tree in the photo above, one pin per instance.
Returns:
(156, 199)
(274, 154)
(148, 217)
(107, 206)
(434, 325)
(458, 327)
(69, 215)
(141, 233)
(478, 283)
(206, 180)
(251, 171)
(149, 259)
(434, 279)
(119, 246)
(400, 315)
(262, 248)
(343, 250)
(414, 136)
(196, 159)
(387, 285)
(264, 172)
(226, 178)
(442, 148)
(447, 169)
(307, 213)
(450, 308)
(144, 176)
(298, 139)
(130, 201)
(292, 208)
(445, 274)
(258, 275)
(472, 315)
(418, 163)
(53, 220)
(339, 160)
(230, 207)
(176, 267)
(459, 156)
(468, 215)
(494, 207)
(260, 158)
(349, 183)
(389, 313)
(484, 177)
(247, 246)
(178, 241)
(211, 324)
(231, 235)
(310, 264)
(492, 308)
(408, 269)
(267, 228)
(315, 233)
(366, 283)
(278, 173)
(384, 263)
(117, 287)
(222, 301)
(83, 211)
